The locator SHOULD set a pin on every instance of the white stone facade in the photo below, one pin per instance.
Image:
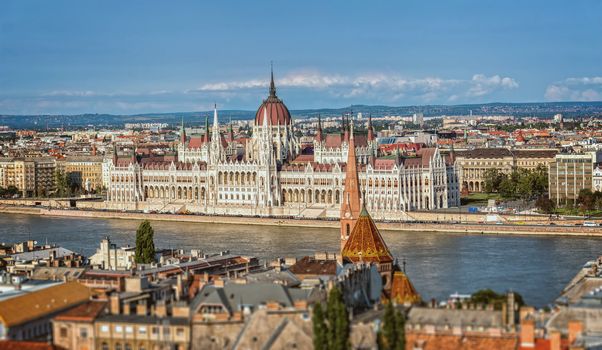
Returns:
(268, 181)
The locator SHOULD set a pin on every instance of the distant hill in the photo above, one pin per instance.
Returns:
(537, 109)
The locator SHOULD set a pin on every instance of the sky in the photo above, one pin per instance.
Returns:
(145, 56)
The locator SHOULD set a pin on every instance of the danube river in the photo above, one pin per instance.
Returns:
(438, 264)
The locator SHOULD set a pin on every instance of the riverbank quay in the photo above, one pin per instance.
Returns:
(443, 227)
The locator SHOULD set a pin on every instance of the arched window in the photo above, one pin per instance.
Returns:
(105, 346)
(348, 229)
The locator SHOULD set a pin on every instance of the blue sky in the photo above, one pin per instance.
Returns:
(166, 56)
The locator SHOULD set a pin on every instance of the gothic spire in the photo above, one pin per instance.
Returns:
(272, 85)
(350, 206)
(206, 128)
(370, 128)
(182, 132)
(319, 131)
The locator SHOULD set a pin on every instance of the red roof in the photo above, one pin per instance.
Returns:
(196, 142)
(276, 110)
(25, 345)
(86, 312)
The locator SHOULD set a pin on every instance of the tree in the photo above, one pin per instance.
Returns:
(586, 200)
(392, 334)
(62, 183)
(338, 321)
(493, 179)
(320, 328)
(490, 297)
(145, 246)
(331, 330)
(545, 205)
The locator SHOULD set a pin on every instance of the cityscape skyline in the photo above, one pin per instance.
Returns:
(63, 58)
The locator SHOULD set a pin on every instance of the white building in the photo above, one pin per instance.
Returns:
(269, 174)
(111, 257)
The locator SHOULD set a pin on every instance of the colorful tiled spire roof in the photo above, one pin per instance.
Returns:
(365, 244)
(402, 290)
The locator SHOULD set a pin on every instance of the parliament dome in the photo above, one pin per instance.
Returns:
(277, 111)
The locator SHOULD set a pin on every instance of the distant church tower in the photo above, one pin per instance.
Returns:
(350, 207)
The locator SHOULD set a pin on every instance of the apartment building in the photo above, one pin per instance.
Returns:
(84, 172)
(569, 174)
(32, 176)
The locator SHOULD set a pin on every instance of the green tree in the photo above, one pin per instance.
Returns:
(335, 328)
(320, 328)
(338, 321)
(145, 245)
(545, 205)
(392, 334)
(493, 179)
(490, 297)
(62, 184)
(586, 200)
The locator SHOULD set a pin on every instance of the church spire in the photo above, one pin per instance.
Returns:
(345, 128)
(206, 128)
(319, 131)
(182, 133)
(230, 131)
(370, 129)
(115, 156)
(350, 207)
(272, 85)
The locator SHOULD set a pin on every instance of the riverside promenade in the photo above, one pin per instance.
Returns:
(564, 228)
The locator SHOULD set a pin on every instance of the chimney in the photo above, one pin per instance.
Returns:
(161, 309)
(511, 310)
(114, 304)
(527, 334)
(554, 340)
(575, 330)
(141, 309)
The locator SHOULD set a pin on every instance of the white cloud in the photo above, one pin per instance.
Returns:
(303, 89)
(575, 89)
(483, 85)
(384, 87)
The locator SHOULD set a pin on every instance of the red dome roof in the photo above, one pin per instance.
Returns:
(276, 109)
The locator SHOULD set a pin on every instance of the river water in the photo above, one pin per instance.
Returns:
(438, 263)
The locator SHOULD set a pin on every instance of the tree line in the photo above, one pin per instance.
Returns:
(521, 183)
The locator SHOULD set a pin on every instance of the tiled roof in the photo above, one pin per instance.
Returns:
(25, 345)
(310, 266)
(365, 242)
(42, 302)
(485, 153)
(402, 290)
(86, 312)
(196, 142)
(464, 342)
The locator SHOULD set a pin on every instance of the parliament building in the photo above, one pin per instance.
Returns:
(270, 174)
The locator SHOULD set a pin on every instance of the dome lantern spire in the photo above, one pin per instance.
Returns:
(272, 85)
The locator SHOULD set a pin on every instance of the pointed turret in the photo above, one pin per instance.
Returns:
(206, 139)
(365, 244)
(345, 128)
(230, 132)
(215, 120)
(216, 139)
(272, 85)
(370, 129)
(319, 132)
(182, 133)
(350, 207)
(115, 156)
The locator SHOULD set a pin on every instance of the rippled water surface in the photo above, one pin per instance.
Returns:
(438, 264)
